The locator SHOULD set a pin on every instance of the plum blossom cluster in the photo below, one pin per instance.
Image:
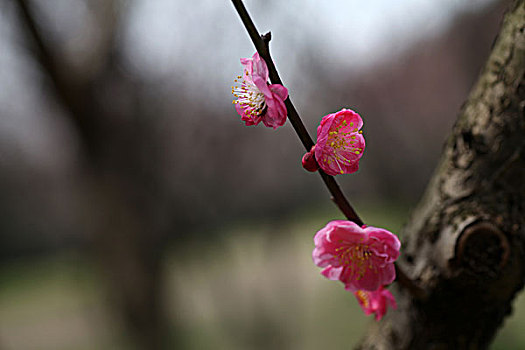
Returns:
(362, 258)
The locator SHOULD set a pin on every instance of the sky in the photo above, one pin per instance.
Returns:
(203, 40)
(199, 43)
(164, 34)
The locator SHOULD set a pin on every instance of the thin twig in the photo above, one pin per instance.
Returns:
(261, 43)
(262, 47)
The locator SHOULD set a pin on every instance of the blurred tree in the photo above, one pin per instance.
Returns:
(122, 200)
(465, 242)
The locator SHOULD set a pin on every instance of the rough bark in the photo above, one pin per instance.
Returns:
(465, 242)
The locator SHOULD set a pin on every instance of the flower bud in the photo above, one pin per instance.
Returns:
(309, 162)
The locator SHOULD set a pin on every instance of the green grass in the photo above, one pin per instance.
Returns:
(53, 303)
(256, 288)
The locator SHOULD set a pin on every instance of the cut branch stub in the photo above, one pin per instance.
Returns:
(482, 249)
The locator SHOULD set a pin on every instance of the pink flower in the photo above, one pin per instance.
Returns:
(360, 257)
(340, 143)
(257, 100)
(376, 301)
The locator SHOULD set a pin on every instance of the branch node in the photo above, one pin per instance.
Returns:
(482, 248)
(266, 38)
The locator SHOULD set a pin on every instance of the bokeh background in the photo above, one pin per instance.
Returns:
(136, 210)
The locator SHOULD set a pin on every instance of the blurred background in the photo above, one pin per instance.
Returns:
(138, 212)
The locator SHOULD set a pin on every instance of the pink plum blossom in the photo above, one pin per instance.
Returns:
(360, 257)
(257, 100)
(340, 143)
(376, 301)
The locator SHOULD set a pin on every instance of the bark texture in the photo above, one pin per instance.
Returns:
(465, 242)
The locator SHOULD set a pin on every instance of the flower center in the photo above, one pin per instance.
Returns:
(249, 97)
(356, 258)
(342, 141)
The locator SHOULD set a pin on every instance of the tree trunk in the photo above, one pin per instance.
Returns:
(465, 243)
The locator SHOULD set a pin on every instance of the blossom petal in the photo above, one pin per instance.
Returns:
(279, 90)
(260, 68)
(332, 273)
(375, 302)
(276, 113)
